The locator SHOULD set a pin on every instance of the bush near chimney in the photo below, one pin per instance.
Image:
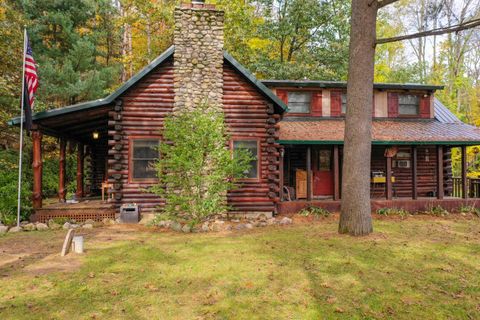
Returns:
(196, 168)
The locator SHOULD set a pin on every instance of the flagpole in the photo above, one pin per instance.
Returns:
(20, 157)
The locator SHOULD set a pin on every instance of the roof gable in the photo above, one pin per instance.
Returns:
(280, 106)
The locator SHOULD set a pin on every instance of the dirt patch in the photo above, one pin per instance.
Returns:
(39, 252)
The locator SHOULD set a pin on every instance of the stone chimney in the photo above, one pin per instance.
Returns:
(198, 57)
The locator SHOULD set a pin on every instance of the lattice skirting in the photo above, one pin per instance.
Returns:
(80, 215)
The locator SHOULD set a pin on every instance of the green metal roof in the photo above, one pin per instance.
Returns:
(343, 84)
(281, 107)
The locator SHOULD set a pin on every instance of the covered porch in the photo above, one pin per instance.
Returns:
(403, 176)
(82, 131)
(411, 163)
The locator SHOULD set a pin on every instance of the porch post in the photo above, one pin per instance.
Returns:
(336, 173)
(309, 173)
(464, 173)
(388, 178)
(80, 157)
(62, 192)
(414, 173)
(281, 174)
(440, 190)
(37, 169)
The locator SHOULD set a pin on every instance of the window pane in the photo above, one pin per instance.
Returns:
(252, 147)
(408, 104)
(299, 102)
(144, 155)
(144, 169)
(344, 103)
(145, 149)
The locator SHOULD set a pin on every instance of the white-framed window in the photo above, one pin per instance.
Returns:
(299, 101)
(408, 104)
(252, 146)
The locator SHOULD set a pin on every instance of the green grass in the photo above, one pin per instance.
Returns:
(410, 269)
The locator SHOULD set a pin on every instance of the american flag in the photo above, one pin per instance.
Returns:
(31, 78)
(31, 84)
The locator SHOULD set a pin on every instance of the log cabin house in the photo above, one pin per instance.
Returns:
(295, 129)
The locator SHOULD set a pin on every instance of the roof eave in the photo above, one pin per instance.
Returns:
(381, 142)
(257, 83)
(343, 84)
(104, 101)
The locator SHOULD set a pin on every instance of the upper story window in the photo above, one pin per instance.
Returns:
(144, 153)
(344, 102)
(408, 104)
(299, 101)
(252, 147)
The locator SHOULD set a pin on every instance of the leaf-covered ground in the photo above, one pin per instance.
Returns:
(417, 268)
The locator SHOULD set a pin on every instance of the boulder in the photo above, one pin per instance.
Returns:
(205, 227)
(3, 229)
(53, 225)
(240, 226)
(74, 226)
(249, 226)
(186, 228)
(67, 225)
(29, 227)
(285, 221)
(108, 221)
(271, 221)
(15, 229)
(175, 226)
(87, 226)
(41, 226)
(89, 221)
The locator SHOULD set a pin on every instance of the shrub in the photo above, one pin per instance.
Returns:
(196, 169)
(315, 212)
(393, 212)
(469, 210)
(437, 211)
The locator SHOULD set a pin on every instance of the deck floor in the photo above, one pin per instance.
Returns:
(82, 204)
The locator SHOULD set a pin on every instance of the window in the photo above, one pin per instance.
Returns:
(408, 104)
(252, 147)
(144, 153)
(299, 102)
(344, 103)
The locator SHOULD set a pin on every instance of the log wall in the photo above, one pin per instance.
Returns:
(141, 112)
(249, 116)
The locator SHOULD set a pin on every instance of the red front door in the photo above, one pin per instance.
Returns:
(322, 172)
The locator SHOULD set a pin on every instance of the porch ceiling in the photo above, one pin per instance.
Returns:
(318, 131)
(78, 125)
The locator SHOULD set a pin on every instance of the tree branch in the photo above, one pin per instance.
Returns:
(384, 3)
(455, 28)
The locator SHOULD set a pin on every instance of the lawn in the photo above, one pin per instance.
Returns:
(417, 268)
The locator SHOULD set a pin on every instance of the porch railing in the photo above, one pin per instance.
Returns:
(473, 187)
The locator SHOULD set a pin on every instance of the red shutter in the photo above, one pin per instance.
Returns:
(425, 106)
(283, 95)
(392, 105)
(316, 103)
(335, 103)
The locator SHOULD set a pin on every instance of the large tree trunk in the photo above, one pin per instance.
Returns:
(355, 218)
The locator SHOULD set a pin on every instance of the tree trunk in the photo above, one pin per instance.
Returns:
(355, 217)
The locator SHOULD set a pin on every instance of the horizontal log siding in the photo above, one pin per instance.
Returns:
(248, 116)
(143, 111)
